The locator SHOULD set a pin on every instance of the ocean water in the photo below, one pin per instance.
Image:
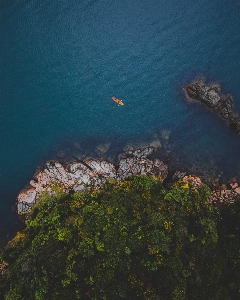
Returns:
(62, 61)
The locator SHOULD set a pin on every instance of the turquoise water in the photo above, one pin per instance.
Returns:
(62, 61)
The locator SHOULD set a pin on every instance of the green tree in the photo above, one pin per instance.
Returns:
(131, 240)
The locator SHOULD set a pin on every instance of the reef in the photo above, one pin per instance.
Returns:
(211, 96)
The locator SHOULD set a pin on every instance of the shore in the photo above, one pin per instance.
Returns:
(89, 172)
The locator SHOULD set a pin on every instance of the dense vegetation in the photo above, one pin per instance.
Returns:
(133, 240)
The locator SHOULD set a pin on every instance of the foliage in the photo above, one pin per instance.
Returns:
(132, 240)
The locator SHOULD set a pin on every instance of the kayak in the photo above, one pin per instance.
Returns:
(119, 102)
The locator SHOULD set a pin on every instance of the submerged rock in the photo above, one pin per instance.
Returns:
(166, 134)
(178, 175)
(154, 144)
(90, 172)
(211, 96)
(103, 148)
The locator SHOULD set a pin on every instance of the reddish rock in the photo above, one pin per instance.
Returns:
(192, 180)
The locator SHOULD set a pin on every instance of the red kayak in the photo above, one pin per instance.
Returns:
(119, 102)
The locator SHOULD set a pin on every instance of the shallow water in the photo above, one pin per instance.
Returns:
(61, 62)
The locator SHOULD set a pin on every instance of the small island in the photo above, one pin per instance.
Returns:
(211, 96)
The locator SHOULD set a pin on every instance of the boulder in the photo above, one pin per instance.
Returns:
(26, 199)
(192, 180)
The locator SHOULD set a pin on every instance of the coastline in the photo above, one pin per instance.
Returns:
(92, 173)
(110, 150)
(91, 168)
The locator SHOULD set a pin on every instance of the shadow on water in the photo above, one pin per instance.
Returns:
(11, 221)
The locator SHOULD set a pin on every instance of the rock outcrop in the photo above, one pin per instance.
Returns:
(93, 173)
(223, 195)
(192, 180)
(90, 172)
(211, 96)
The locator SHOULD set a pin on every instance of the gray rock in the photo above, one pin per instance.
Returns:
(91, 172)
(178, 175)
(26, 199)
(211, 97)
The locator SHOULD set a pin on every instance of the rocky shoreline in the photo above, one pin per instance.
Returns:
(211, 96)
(93, 172)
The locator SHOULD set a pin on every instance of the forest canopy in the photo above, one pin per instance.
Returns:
(137, 239)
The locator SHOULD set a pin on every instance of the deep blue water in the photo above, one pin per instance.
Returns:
(62, 61)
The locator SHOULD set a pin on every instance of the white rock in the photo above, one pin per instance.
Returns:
(91, 172)
(26, 199)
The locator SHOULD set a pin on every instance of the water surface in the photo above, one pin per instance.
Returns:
(62, 61)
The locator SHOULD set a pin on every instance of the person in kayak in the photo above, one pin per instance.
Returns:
(117, 101)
